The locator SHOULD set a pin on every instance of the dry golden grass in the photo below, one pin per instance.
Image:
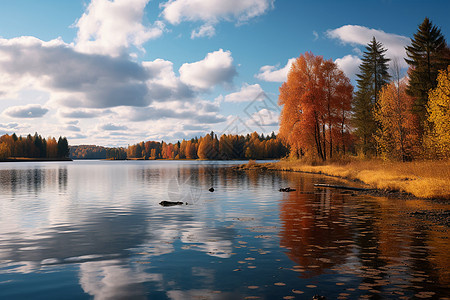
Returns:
(424, 179)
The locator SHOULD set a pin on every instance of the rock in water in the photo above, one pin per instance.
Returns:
(211, 189)
(288, 189)
(170, 203)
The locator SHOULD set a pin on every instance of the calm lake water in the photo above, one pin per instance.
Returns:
(95, 229)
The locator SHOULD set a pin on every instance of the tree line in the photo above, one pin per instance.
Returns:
(12, 146)
(211, 147)
(389, 115)
(97, 152)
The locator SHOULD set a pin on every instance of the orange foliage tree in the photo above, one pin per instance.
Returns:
(316, 100)
(398, 135)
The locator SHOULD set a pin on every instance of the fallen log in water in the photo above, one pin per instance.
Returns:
(342, 187)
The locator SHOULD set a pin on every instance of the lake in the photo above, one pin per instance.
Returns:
(95, 229)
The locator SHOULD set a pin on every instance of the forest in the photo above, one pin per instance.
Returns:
(390, 116)
(228, 146)
(12, 146)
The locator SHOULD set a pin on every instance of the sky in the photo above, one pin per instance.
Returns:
(117, 72)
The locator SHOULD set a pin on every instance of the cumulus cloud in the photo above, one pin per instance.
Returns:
(264, 118)
(163, 84)
(216, 68)
(26, 111)
(273, 74)
(213, 11)
(75, 79)
(247, 93)
(360, 35)
(206, 30)
(110, 27)
(9, 125)
(72, 128)
(193, 113)
(112, 127)
(349, 64)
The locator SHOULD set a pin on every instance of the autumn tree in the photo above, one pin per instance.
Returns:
(372, 77)
(5, 151)
(397, 135)
(52, 147)
(204, 146)
(311, 98)
(438, 137)
(427, 54)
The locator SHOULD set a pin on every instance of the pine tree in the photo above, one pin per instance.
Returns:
(373, 76)
(427, 55)
(62, 147)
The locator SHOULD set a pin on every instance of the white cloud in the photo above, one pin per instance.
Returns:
(198, 111)
(206, 30)
(112, 127)
(72, 128)
(80, 113)
(247, 93)
(110, 27)
(213, 11)
(9, 125)
(216, 68)
(360, 35)
(349, 64)
(163, 84)
(26, 111)
(263, 118)
(73, 79)
(272, 74)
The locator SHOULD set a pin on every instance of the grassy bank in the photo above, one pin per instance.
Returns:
(423, 179)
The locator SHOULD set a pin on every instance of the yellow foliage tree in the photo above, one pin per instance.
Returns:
(438, 137)
(397, 136)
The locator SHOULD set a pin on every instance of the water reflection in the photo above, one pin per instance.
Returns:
(314, 230)
(96, 228)
(23, 180)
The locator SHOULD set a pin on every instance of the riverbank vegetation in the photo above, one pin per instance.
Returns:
(423, 179)
(14, 148)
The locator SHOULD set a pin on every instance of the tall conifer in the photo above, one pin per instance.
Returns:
(372, 77)
(427, 54)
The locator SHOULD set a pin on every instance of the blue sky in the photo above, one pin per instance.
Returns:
(118, 72)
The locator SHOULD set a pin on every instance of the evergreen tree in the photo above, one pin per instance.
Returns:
(427, 55)
(63, 147)
(373, 76)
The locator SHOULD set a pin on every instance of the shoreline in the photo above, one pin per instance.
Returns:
(25, 159)
(381, 178)
(440, 217)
